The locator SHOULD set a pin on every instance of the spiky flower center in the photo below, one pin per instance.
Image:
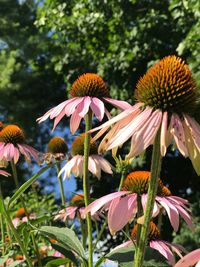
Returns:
(153, 233)
(168, 86)
(89, 84)
(20, 213)
(1, 125)
(138, 182)
(78, 146)
(165, 192)
(78, 200)
(57, 145)
(12, 134)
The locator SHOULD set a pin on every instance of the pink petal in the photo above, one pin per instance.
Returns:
(189, 259)
(97, 107)
(104, 164)
(70, 108)
(67, 169)
(124, 245)
(161, 247)
(71, 212)
(58, 119)
(156, 208)
(187, 218)
(99, 203)
(74, 122)
(163, 134)
(92, 166)
(84, 106)
(178, 134)
(4, 173)
(171, 211)
(120, 212)
(145, 135)
(118, 103)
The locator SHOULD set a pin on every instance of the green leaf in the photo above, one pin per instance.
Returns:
(67, 253)
(57, 262)
(16, 263)
(121, 254)
(66, 237)
(26, 185)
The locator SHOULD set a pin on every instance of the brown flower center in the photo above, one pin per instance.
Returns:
(78, 200)
(89, 84)
(12, 134)
(168, 86)
(57, 145)
(78, 146)
(138, 182)
(154, 232)
(20, 213)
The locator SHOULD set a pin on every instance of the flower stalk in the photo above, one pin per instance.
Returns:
(155, 171)
(62, 194)
(86, 183)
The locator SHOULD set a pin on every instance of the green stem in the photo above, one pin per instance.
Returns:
(83, 232)
(123, 175)
(2, 235)
(155, 171)
(62, 194)
(35, 246)
(139, 214)
(101, 232)
(15, 233)
(86, 184)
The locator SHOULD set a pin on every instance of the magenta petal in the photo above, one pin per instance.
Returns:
(99, 203)
(164, 250)
(189, 259)
(187, 218)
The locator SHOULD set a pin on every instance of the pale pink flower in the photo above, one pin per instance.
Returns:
(12, 145)
(165, 248)
(16, 221)
(76, 209)
(191, 259)
(96, 164)
(162, 104)
(88, 92)
(4, 173)
(122, 206)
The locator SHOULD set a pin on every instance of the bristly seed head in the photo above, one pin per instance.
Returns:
(12, 134)
(89, 84)
(57, 145)
(153, 234)
(78, 146)
(78, 200)
(168, 86)
(138, 182)
(20, 213)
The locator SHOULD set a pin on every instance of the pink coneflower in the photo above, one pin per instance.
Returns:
(4, 173)
(76, 209)
(75, 165)
(166, 96)
(88, 91)
(12, 144)
(166, 249)
(191, 259)
(21, 217)
(122, 206)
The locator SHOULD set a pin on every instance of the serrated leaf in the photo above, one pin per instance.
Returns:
(26, 185)
(66, 237)
(122, 254)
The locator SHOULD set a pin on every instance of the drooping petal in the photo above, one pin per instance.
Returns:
(70, 108)
(92, 166)
(189, 259)
(104, 164)
(163, 134)
(178, 133)
(193, 151)
(71, 212)
(84, 106)
(171, 211)
(58, 119)
(185, 215)
(67, 169)
(156, 208)
(98, 108)
(75, 122)
(99, 203)
(4, 173)
(120, 212)
(118, 103)
(164, 250)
